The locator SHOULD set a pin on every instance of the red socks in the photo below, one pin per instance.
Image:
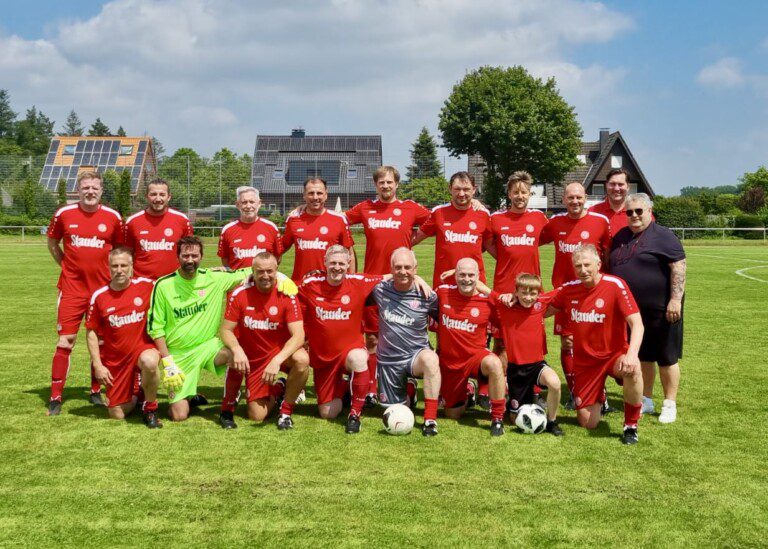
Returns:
(482, 387)
(430, 409)
(95, 385)
(566, 359)
(632, 414)
(372, 362)
(150, 406)
(232, 383)
(360, 383)
(410, 391)
(59, 370)
(286, 408)
(497, 408)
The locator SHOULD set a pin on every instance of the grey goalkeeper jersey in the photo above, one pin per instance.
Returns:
(403, 321)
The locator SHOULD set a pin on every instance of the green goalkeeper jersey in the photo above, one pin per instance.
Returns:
(188, 313)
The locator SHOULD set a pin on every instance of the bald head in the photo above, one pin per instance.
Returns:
(467, 274)
(574, 199)
(467, 264)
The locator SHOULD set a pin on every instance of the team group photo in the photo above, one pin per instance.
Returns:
(381, 272)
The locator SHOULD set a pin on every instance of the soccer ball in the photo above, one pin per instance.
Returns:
(531, 418)
(398, 419)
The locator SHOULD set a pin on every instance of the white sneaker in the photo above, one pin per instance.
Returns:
(668, 411)
(647, 405)
(302, 397)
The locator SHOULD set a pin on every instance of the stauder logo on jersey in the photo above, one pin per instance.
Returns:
(190, 310)
(523, 240)
(592, 316)
(243, 253)
(314, 244)
(463, 325)
(336, 314)
(256, 324)
(466, 237)
(156, 245)
(82, 242)
(567, 248)
(388, 223)
(118, 321)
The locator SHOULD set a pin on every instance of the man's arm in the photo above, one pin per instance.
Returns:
(420, 236)
(101, 374)
(489, 245)
(235, 278)
(294, 343)
(630, 361)
(353, 262)
(55, 249)
(227, 334)
(677, 287)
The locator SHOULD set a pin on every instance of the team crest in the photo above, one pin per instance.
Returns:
(599, 303)
(201, 293)
(323, 230)
(102, 228)
(537, 306)
(414, 304)
(261, 238)
(529, 228)
(273, 310)
(382, 397)
(475, 312)
(397, 211)
(584, 234)
(472, 225)
(168, 232)
(138, 301)
(345, 299)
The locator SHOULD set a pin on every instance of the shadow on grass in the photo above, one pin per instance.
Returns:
(73, 393)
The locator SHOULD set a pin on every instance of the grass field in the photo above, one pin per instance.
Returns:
(81, 480)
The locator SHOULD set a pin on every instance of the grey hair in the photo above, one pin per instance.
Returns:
(247, 189)
(337, 249)
(402, 249)
(640, 197)
(582, 249)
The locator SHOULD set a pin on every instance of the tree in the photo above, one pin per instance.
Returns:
(424, 162)
(99, 128)
(28, 197)
(515, 122)
(73, 126)
(429, 191)
(678, 211)
(111, 180)
(157, 146)
(33, 134)
(120, 132)
(123, 198)
(752, 199)
(718, 190)
(61, 190)
(7, 116)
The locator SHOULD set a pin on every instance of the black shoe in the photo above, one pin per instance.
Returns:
(353, 424)
(415, 400)
(284, 422)
(370, 401)
(54, 408)
(497, 428)
(484, 402)
(97, 400)
(554, 428)
(607, 409)
(151, 420)
(629, 436)
(472, 397)
(227, 420)
(197, 401)
(570, 405)
(279, 400)
(429, 429)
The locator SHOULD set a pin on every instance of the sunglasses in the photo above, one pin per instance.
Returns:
(637, 211)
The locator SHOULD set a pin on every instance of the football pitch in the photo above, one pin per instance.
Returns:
(81, 480)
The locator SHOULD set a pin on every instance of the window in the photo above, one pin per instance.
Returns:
(616, 161)
(126, 150)
(278, 174)
(598, 189)
(352, 173)
(582, 158)
(632, 188)
(272, 207)
(69, 150)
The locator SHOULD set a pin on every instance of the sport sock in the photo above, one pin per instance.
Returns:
(632, 414)
(59, 370)
(232, 384)
(95, 385)
(149, 406)
(277, 390)
(286, 408)
(372, 362)
(359, 384)
(497, 408)
(482, 387)
(430, 409)
(566, 359)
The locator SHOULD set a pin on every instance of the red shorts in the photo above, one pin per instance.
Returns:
(125, 377)
(453, 382)
(561, 323)
(589, 380)
(255, 386)
(70, 312)
(371, 319)
(329, 383)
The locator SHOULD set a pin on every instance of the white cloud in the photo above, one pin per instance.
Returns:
(727, 72)
(209, 73)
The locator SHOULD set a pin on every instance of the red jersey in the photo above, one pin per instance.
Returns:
(597, 317)
(313, 234)
(388, 226)
(153, 239)
(333, 316)
(567, 234)
(120, 319)
(517, 246)
(522, 329)
(262, 320)
(88, 238)
(458, 234)
(240, 242)
(462, 325)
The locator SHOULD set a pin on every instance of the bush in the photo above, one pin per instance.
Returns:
(678, 211)
(749, 221)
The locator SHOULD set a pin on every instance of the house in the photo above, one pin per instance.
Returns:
(596, 159)
(281, 164)
(70, 155)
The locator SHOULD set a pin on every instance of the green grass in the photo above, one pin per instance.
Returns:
(81, 480)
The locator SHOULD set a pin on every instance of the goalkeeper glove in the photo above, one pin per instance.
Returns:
(286, 286)
(173, 376)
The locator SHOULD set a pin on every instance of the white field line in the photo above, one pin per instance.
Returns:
(741, 272)
(728, 258)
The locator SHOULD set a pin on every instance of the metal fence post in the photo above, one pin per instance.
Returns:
(22, 234)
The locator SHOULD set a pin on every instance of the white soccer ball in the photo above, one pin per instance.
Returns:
(531, 419)
(398, 419)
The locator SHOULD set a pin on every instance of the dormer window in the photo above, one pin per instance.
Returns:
(582, 158)
(616, 161)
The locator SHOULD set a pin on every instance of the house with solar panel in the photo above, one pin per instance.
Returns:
(596, 159)
(281, 164)
(69, 155)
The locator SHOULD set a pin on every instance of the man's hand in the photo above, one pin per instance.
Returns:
(173, 376)
(629, 363)
(476, 204)
(508, 299)
(286, 286)
(447, 274)
(425, 289)
(240, 361)
(270, 372)
(102, 375)
(674, 310)
(298, 210)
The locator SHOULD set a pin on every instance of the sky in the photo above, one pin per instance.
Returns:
(685, 82)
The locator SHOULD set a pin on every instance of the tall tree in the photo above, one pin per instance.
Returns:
(99, 128)
(110, 185)
(157, 146)
(34, 132)
(428, 191)
(61, 190)
(7, 115)
(123, 198)
(424, 161)
(515, 122)
(120, 132)
(73, 126)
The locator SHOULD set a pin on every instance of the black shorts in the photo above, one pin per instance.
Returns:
(521, 379)
(662, 341)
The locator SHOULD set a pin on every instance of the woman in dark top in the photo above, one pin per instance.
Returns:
(652, 261)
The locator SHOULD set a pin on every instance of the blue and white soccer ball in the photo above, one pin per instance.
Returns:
(398, 419)
(531, 419)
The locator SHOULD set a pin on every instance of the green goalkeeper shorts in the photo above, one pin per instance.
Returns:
(192, 362)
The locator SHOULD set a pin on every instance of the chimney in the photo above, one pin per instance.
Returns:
(604, 132)
(298, 132)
